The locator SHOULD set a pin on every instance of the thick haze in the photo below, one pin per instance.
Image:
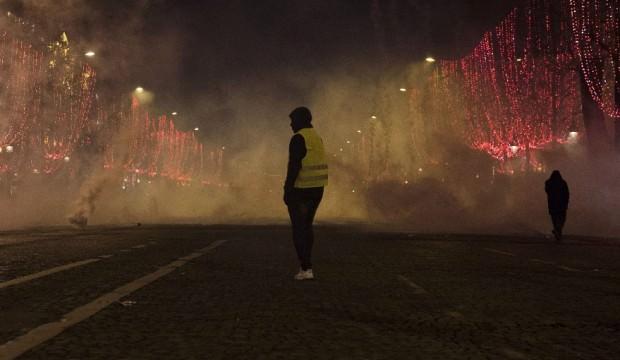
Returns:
(194, 52)
(236, 68)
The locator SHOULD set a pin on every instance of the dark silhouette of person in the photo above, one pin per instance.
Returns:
(558, 197)
(303, 189)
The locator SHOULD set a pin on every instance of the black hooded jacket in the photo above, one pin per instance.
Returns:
(558, 195)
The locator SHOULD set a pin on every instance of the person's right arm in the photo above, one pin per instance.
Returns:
(297, 151)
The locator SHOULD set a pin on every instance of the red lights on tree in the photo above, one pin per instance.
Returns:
(519, 87)
(595, 27)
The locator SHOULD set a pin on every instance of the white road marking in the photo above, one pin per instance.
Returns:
(125, 250)
(500, 252)
(138, 247)
(542, 261)
(417, 288)
(44, 273)
(568, 268)
(106, 256)
(14, 348)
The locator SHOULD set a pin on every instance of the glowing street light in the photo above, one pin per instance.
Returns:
(174, 113)
(430, 59)
(9, 149)
(403, 89)
(139, 89)
(519, 59)
(374, 117)
(514, 148)
(67, 159)
(359, 131)
(90, 54)
(196, 129)
(573, 135)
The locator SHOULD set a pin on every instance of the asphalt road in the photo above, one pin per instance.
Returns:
(227, 292)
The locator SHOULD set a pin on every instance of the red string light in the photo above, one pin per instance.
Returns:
(596, 33)
(518, 86)
(51, 113)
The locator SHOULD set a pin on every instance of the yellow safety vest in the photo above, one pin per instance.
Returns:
(313, 171)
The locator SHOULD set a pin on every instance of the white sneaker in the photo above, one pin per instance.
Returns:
(304, 275)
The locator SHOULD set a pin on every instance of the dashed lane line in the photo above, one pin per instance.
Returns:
(417, 289)
(562, 267)
(500, 252)
(542, 261)
(54, 270)
(43, 333)
(567, 268)
(23, 279)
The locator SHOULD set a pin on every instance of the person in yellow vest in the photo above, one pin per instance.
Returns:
(306, 179)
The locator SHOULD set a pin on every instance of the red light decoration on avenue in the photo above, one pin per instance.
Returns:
(158, 149)
(52, 116)
(519, 88)
(596, 34)
(48, 99)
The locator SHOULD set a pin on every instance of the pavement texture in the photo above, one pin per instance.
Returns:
(376, 295)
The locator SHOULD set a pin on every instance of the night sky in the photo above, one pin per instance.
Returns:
(186, 51)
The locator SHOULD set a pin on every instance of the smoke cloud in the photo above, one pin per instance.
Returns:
(394, 163)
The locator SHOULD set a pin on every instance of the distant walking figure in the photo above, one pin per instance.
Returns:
(303, 190)
(558, 197)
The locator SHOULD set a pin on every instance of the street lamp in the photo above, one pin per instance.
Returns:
(514, 148)
(403, 89)
(573, 135)
(9, 149)
(174, 113)
(90, 54)
(67, 159)
(430, 59)
(196, 129)
(139, 89)
(374, 117)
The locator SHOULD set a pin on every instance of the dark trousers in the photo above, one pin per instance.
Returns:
(302, 206)
(558, 218)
